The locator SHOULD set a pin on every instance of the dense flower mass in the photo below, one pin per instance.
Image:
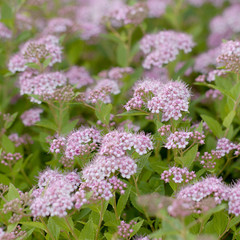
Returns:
(102, 90)
(31, 116)
(5, 33)
(78, 76)
(36, 51)
(163, 47)
(170, 98)
(230, 55)
(128, 113)
(178, 175)
(53, 197)
(208, 187)
(42, 84)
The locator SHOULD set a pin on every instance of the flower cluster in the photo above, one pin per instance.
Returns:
(157, 8)
(15, 234)
(36, 51)
(224, 26)
(234, 200)
(128, 15)
(208, 187)
(230, 56)
(170, 98)
(53, 197)
(77, 143)
(102, 91)
(163, 47)
(181, 139)
(20, 140)
(5, 33)
(125, 229)
(9, 159)
(117, 143)
(178, 175)
(31, 116)
(78, 76)
(42, 84)
(116, 73)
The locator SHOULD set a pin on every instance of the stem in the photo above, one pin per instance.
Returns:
(226, 229)
(144, 209)
(234, 109)
(115, 206)
(100, 221)
(228, 161)
(70, 228)
(48, 231)
(26, 177)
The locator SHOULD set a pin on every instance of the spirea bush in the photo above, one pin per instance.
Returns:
(119, 119)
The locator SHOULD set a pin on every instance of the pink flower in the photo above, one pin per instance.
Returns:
(31, 116)
(78, 76)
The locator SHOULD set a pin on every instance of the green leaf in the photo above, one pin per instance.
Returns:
(123, 201)
(229, 118)
(12, 193)
(4, 179)
(9, 123)
(88, 232)
(61, 222)
(234, 221)
(213, 125)
(133, 113)
(189, 156)
(122, 55)
(53, 228)
(183, 69)
(7, 144)
(141, 162)
(136, 228)
(34, 225)
(69, 126)
(103, 112)
(47, 124)
(33, 65)
(223, 91)
(46, 62)
(220, 221)
(6, 12)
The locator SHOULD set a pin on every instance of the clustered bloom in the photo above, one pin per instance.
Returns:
(180, 139)
(18, 207)
(77, 143)
(36, 51)
(54, 194)
(31, 116)
(178, 175)
(15, 234)
(224, 26)
(128, 15)
(117, 143)
(208, 187)
(42, 84)
(5, 33)
(225, 146)
(230, 56)
(25, 139)
(102, 91)
(205, 61)
(58, 26)
(125, 229)
(157, 8)
(163, 47)
(234, 200)
(9, 159)
(170, 98)
(116, 73)
(165, 129)
(78, 76)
